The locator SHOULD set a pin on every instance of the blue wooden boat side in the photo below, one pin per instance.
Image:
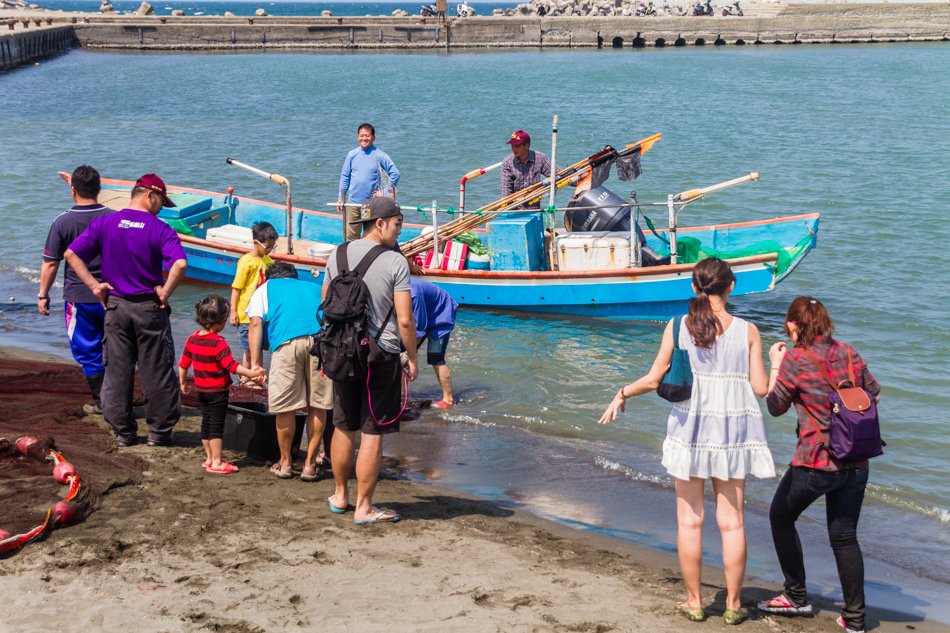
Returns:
(653, 293)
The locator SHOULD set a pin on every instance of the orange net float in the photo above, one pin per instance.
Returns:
(61, 513)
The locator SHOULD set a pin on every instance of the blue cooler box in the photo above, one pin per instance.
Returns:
(516, 242)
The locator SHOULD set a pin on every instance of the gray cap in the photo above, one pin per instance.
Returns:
(378, 208)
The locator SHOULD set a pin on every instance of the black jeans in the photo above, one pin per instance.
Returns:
(844, 493)
(138, 331)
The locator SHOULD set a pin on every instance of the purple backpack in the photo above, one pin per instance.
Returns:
(855, 432)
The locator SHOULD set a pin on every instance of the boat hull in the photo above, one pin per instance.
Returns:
(654, 293)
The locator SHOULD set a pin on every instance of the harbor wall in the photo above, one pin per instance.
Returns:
(26, 46)
(763, 24)
(767, 24)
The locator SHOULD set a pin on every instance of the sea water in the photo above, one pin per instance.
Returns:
(860, 134)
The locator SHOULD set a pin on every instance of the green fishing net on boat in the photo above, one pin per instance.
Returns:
(181, 227)
(474, 244)
(690, 250)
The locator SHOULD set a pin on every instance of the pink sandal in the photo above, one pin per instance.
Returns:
(225, 469)
(781, 605)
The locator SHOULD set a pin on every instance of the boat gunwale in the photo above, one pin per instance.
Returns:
(545, 275)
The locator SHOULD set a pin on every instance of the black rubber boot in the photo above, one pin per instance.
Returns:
(95, 386)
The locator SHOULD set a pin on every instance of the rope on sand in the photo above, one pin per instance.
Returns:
(63, 512)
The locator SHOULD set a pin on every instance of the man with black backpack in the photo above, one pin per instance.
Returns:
(367, 319)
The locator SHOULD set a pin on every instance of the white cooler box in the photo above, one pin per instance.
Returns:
(592, 251)
(231, 234)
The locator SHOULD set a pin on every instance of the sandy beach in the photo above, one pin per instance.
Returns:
(172, 548)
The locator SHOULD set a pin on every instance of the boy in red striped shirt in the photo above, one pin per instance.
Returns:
(213, 366)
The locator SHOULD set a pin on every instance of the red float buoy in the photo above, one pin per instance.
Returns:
(63, 471)
(64, 513)
(24, 443)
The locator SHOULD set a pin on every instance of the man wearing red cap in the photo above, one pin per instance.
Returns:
(523, 167)
(134, 248)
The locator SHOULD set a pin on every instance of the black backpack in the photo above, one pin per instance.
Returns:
(343, 345)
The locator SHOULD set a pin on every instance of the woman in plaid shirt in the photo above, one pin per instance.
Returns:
(813, 473)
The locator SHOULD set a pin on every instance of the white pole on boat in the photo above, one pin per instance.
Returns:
(634, 242)
(553, 162)
(549, 215)
(692, 194)
(285, 185)
(671, 210)
(435, 263)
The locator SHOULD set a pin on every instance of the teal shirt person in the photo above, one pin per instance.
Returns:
(288, 307)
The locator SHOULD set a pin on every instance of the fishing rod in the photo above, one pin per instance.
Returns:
(528, 195)
(531, 194)
(284, 185)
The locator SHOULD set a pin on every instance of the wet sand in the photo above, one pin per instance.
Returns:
(177, 549)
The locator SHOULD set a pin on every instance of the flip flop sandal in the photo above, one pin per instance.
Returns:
(735, 616)
(225, 469)
(380, 517)
(311, 477)
(280, 473)
(335, 509)
(693, 614)
(781, 605)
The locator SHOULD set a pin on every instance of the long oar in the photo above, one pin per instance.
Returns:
(527, 195)
(485, 214)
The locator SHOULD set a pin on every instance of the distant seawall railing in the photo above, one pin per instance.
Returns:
(762, 24)
(26, 46)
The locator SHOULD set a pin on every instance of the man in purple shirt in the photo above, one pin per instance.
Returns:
(134, 248)
(523, 167)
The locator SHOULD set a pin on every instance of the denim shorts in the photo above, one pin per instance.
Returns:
(244, 328)
(435, 348)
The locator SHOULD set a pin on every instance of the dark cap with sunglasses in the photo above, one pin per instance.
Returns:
(155, 184)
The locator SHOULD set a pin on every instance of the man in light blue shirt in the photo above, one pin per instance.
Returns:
(360, 178)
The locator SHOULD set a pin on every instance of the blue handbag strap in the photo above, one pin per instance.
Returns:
(676, 332)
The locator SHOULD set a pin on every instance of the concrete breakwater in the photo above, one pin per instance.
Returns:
(762, 24)
(786, 24)
(26, 46)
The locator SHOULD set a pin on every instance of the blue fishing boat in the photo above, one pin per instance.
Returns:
(215, 232)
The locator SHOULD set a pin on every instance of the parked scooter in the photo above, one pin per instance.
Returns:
(645, 10)
(733, 9)
(703, 8)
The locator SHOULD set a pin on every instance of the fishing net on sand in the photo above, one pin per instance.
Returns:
(43, 401)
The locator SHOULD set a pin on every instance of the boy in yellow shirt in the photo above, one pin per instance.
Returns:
(250, 275)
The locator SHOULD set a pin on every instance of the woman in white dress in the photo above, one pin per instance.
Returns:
(718, 433)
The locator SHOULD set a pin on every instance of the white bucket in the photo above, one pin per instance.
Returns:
(320, 250)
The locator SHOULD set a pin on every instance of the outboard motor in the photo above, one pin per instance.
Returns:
(611, 216)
